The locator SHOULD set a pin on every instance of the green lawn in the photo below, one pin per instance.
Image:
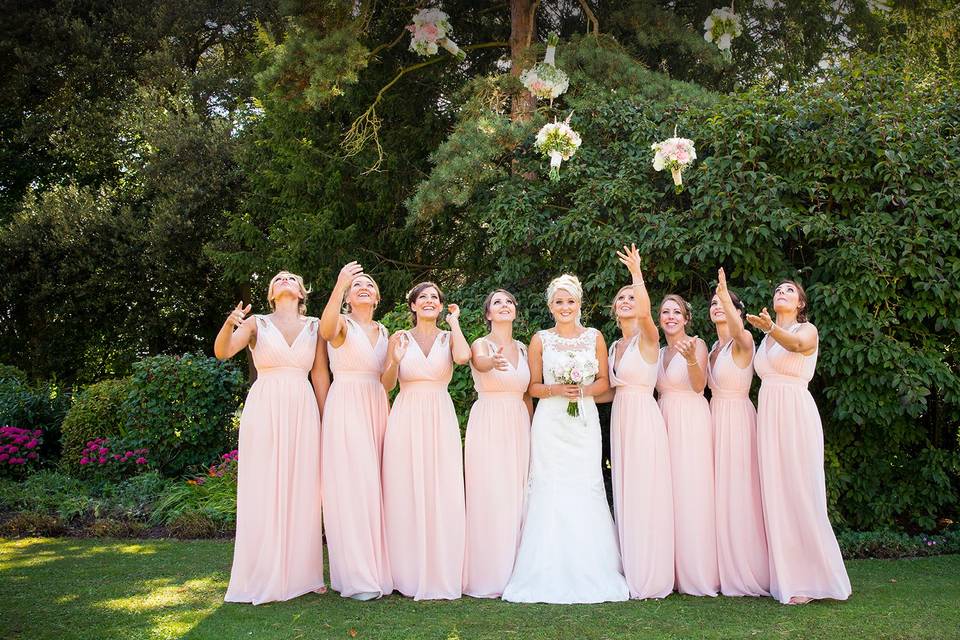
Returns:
(97, 589)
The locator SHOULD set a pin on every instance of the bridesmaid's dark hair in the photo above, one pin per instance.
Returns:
(802, 307)
(737, 302)
(416, 291)
(489, 299)
(684, 305)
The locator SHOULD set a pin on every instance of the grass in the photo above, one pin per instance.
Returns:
(103, 589)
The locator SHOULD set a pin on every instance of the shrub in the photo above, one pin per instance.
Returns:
(213, 494)
(19, 450)
(41, 406)
(31, 523)
(112, 528)
(52, 493)
(133, 498)
(181, 409)
(194, 524)
(11, 372)
(96, 412)
(894, 544)
(107, 460)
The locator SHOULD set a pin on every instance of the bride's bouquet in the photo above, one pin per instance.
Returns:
(559, 142)
(430, 28)
(675, 154)
(722, 26)
(579, 368)
(544, 80)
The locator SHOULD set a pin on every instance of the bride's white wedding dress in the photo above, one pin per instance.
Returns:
(568, 550)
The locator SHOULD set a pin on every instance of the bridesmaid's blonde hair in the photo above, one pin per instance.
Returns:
(304, 292)
(346, 294)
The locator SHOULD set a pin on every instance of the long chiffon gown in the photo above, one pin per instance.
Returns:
(805, 559)
(354, 421)
(497, 455)
(690, 434)
(642, 486)
(568, 549)
(741, 540)
(278, 550)
(423, 478)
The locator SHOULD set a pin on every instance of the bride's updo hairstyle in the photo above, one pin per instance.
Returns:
(569, 283)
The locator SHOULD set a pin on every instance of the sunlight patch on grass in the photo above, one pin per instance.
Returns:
(163, 594)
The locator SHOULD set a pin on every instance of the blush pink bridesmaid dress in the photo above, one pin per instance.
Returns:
(423, 478)
(354, 421)
(741, 540)
(690, 434)
(805, 558)
(642, 486)
(278, 551)
(497, 457)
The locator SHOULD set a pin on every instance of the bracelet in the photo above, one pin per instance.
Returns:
(693, 364)
(770, 330)
(549, 390)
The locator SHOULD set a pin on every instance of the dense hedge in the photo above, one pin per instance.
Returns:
(181, 408)
(851, 185)
(95, 413)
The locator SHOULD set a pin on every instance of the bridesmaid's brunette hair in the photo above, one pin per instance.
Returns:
(304, 292)
(737, 302)
(416, 291)
(489, 299)
(684, 305)
(802, 307)
(346, 294)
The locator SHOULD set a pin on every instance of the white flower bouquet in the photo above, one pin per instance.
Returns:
(544, 80)
(675, 154)
(431, 29)
(579, 368)
(557, 141)
(722, 26)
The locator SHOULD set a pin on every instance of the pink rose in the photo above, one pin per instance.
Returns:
(104, 450)
(430, 30)
(4, 457)
(102, 461)
(84, 461)
(31, 444)
(141, 460)
(32, 455)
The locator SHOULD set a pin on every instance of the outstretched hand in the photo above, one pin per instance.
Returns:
(722, 291)
(397, 346)
(630, 258)
(499, 360)
(763, 321)
(238, 314)
(349, 271)
(688, 349)
(453, 313)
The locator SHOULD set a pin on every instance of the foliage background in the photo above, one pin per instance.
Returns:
(161, 159)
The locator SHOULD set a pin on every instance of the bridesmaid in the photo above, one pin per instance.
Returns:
(422, 461)
(741, 541)
(497, 451)
(354, 421)
(639, 451)
(278, 553)
(681, 379)
(805, 561)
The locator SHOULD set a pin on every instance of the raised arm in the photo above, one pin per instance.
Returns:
(694, 351)
(333, 328)
(236, 333)
(459, 347)
(320, 374)
(483, 360)
(804, 340)
(649, 334)
(742, 340)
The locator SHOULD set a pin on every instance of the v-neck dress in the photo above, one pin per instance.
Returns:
(642, 485)
(805, 559)
(741, 539)
(497, 457)
(278, 550)
(423, 478)
(690, 434)
(354, 421)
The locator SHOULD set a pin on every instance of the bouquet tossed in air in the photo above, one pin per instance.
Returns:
(557, 141)
(675, 154)
(543, 79)
(722, 26)
(431, 29)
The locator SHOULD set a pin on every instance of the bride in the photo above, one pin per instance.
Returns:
(568, 550)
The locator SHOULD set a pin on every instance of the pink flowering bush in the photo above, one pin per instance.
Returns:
(107, 459)
(19, 450)
(212, 494)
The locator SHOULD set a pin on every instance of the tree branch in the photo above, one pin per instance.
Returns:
(592, 23)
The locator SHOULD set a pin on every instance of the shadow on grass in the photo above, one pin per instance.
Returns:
(67, 589)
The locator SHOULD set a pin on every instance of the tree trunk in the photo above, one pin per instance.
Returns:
(522, 27)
